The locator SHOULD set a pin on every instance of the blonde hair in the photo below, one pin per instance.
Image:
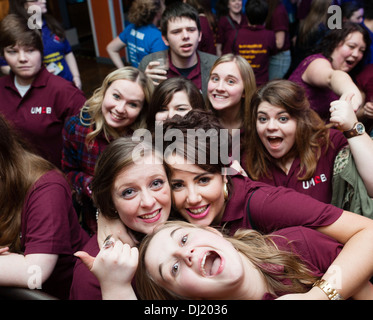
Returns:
(91, 113)
(275, 265)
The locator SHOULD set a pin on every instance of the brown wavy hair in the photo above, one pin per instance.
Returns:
(311, 132)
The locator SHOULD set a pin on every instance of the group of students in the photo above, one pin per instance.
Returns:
(281, 234)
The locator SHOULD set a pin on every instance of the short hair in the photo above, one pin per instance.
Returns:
(14, 30)
(256, 11)
(179, 10)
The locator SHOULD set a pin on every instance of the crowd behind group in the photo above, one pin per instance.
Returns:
(284, 199)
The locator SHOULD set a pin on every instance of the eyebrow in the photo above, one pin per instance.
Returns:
(161, 265)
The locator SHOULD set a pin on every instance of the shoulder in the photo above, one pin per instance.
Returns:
(207, 57)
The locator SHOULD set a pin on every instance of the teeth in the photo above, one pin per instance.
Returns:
(150, 216)
(116, 117)
(199, 210)
(203, 263)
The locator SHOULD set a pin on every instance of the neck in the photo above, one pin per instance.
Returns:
(184, 62)
(230, 118)
(23, 81)
(236, 16)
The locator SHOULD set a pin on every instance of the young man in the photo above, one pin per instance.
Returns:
(181, 31)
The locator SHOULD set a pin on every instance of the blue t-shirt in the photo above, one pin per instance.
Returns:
(141, 42)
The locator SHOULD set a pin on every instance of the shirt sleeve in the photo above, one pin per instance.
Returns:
(274, 208)
(46, 226)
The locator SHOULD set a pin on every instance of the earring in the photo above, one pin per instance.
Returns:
(225, 191)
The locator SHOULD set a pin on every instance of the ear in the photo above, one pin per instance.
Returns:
(224, 177)
(213, 230)
(165, 40)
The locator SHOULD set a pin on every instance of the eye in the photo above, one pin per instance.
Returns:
(157, 184)
(262, 119)
(214, 78)
(175, 269)
(116, 96)
(133, 105)
(184, 239)
(283, 119)
(176, 185)
(204, 180)
(129, 193)
(231, 81)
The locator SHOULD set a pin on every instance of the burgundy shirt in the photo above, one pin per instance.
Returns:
(226, 32)
(316, 250)
(41, 113)
(280, 22)
(320, 185)
(273, 208)
(207, 43)
(256, 44)
(319, 98)
(50, 226)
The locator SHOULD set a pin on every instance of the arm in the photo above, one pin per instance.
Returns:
(113, 49)
(321, 74)
(344, 118)
(280, 39)
(25, 271)
(71, 62)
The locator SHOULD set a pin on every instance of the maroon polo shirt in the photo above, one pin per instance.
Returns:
(40, 115)
(320, 185)
(280, 22)
(256, 44)
(50, 226)
(226, 32)
(273, 208)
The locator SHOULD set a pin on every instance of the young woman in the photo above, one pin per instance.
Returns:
(34, 100)
(173, 96)
(202, 263)
(39, 229)
(116, 109)
(204, 196)
(131, 188)
(57, 55)
(229, 90)
(230, 19)
(287, 144)
(326, 75)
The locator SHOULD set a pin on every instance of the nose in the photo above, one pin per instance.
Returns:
(185, 34)
(147, 199)
(121, 107)
(193, 197)
(22, 56)
(272, 124)
(185, 254)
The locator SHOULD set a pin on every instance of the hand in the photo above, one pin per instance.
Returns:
(4, 250)
(77, 82)
(116, 228)
(342, 114)
(368, 110)
(237, 166)
(115, 264)
(156, 73)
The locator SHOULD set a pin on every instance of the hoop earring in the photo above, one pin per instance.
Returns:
(225, 191)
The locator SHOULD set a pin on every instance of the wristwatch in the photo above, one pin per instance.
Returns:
(357, 130)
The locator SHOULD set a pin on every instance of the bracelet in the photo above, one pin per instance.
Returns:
(330, 292)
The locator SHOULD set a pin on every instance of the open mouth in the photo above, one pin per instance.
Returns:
(151, 217)
(211, 264)
(198, 213)
(274, 141)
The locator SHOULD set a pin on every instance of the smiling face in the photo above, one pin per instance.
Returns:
(349, 53)
(235, 6)
(194, 263)
(142, 196)
(276, 129)
(225, 88)
(122, 104)
(197, 194)
(179, 104)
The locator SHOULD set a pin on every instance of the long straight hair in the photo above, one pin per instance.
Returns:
(20, 168)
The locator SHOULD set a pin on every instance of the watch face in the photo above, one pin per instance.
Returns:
(360, 128)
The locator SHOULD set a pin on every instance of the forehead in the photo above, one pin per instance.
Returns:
(228, 68)
(181, 22)
(127, 87)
